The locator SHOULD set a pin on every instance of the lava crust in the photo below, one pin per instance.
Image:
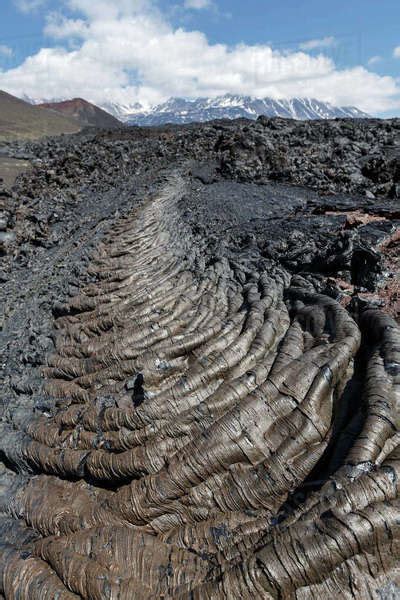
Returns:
(201, 366)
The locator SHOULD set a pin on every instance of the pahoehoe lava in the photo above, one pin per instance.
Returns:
(208, 407)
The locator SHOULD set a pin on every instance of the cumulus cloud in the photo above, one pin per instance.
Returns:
(197, 4)
(58, 26)
(5, 51)
(127, 52)
(396, 52)
(326, 42)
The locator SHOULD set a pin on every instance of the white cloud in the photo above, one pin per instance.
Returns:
(396, 52)
(59, 27)
(27, 6)
(5, 51)
(374, 60)
(197, 4)
(127, 52)
(326, 42)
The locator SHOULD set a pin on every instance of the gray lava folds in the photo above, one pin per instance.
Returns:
(201, 364)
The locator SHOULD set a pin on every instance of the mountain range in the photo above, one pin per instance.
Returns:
(181, 110)
(23, 119)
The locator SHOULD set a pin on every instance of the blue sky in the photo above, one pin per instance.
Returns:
(128, 51)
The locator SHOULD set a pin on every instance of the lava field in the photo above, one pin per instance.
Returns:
(201, 363)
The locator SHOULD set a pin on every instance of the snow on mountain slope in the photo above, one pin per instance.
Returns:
(229, 106)
(123, 112)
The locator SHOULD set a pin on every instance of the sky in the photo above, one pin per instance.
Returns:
(346, 52)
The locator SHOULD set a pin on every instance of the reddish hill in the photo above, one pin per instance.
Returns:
(21, 120)
(86, 113)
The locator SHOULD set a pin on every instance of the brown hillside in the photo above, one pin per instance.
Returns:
(21, 120)
(86, 113)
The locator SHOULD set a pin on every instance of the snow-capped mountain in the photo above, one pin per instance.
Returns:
(123, 112)
(180, 110)
(229, 106)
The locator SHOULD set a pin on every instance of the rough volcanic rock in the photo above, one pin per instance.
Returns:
(200, 374)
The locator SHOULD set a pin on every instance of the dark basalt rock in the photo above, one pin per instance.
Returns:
(200, 373)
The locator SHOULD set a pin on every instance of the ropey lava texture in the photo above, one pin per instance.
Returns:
(195, 397)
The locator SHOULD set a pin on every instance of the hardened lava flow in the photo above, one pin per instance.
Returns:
(219, 430)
